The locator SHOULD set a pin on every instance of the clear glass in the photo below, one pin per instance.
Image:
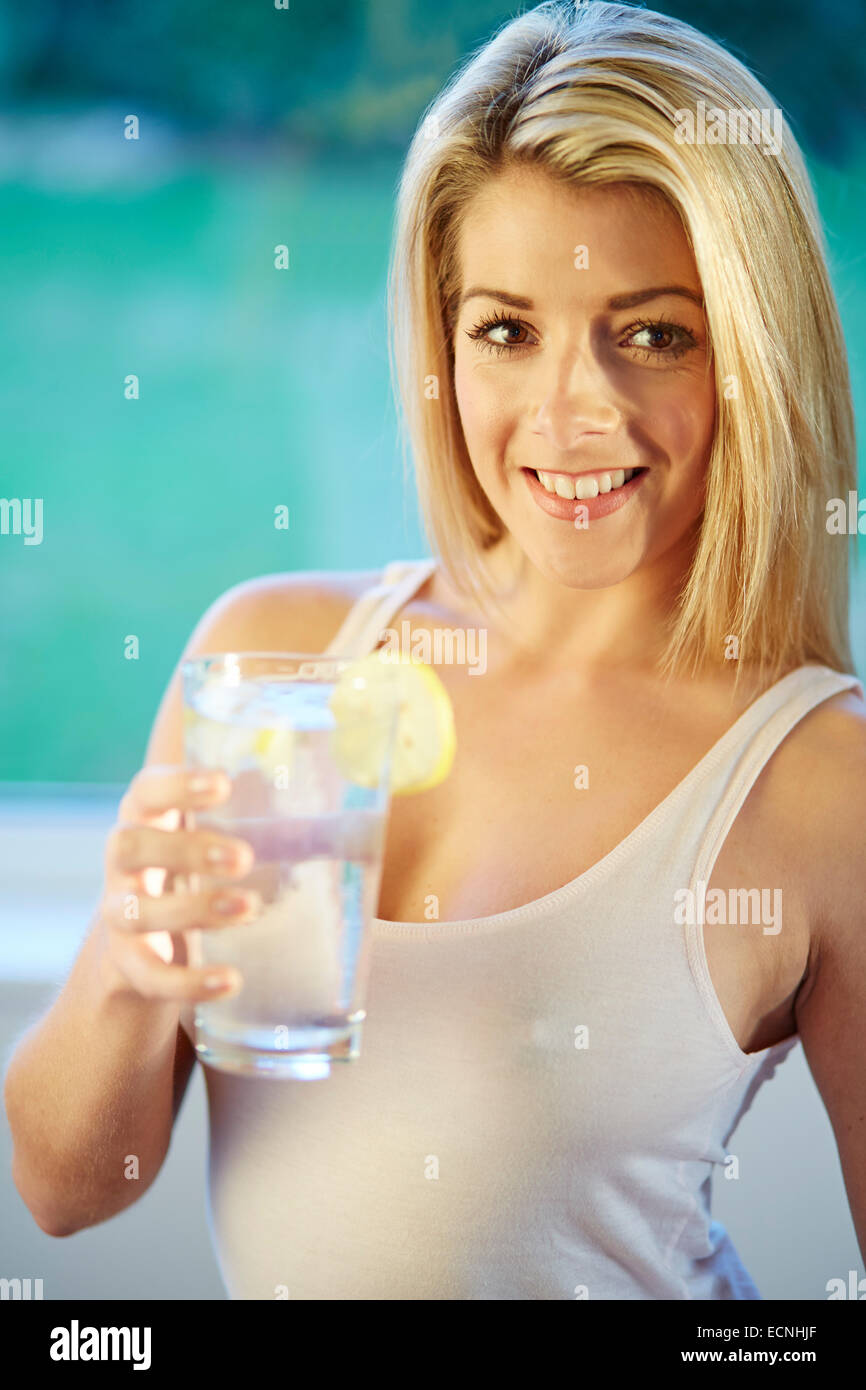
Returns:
(318, 838)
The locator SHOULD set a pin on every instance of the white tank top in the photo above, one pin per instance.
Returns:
(542, 1094)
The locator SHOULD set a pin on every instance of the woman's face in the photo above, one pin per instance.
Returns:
(581, 351)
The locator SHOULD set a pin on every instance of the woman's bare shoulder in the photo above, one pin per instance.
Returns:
(836, 747)
(302, 610)
(818, 792)
(827, 751)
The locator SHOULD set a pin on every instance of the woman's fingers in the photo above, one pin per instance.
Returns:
(154, 791)
(175, 912)
(151, 846)
(153, 978)
(132, 848)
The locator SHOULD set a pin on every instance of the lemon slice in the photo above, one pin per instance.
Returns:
(216, 744)
(275, 749)
(425, 741)
(212, 743)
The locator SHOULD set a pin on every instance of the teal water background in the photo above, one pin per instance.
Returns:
(259, 388)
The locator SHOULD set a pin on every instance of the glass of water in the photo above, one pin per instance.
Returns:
(317, 835)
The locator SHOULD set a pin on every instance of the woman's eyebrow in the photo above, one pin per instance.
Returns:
(631, 301)
(478, 291)
(619, 301)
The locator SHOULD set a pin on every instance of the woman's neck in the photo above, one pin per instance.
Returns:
(615, 629)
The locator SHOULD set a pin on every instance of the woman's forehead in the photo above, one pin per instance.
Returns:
(522, 228)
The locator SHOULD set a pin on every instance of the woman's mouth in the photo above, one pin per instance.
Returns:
(599, 493)
(584, 485)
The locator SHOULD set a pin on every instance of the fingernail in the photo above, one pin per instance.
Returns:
(219, 982)
(203, 782)
(229, 903)
(216, 854)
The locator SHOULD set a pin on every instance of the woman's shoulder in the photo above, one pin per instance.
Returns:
(828, 747)
(823, 758)
(299, 610)
(816, 796)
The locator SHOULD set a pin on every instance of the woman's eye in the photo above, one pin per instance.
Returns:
(654, 340)
(660, 339)
(499, 334)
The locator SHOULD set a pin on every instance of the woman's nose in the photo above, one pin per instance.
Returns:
(576, 402)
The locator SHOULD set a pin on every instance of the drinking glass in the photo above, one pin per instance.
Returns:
(317, 835)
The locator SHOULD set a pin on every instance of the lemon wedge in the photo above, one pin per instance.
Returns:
(211, 743)
(275, 749)
(216, 744)
(425, 741)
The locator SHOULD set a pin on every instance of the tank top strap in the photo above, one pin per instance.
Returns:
(747, 747)
(376, 606)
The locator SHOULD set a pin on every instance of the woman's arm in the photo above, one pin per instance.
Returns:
(831, 1010)
(88, 1085)
(101, 1076)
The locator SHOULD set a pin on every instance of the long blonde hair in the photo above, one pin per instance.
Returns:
(594, 93)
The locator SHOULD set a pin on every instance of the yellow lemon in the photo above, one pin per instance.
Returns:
(275, 749)
(215, 744)
(210, 743)
(425, 741)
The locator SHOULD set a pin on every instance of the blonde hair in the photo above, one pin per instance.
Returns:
(591, 93)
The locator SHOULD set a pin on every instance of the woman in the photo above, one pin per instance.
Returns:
(627, 395)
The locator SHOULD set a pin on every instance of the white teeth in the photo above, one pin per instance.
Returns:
(590, 485)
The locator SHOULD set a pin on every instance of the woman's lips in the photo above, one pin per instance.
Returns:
(565, 508)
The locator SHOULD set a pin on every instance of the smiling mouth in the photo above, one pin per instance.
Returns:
(584, 486)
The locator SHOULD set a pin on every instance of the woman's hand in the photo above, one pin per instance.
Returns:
(147, 850)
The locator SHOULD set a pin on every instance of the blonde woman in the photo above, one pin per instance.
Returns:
(628, 408)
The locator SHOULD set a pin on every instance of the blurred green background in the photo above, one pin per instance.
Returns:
(258, 387)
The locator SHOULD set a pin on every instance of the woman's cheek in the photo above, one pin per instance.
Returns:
(480, 405)
(684, 427)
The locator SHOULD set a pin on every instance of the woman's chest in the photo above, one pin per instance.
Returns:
(536, 799)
